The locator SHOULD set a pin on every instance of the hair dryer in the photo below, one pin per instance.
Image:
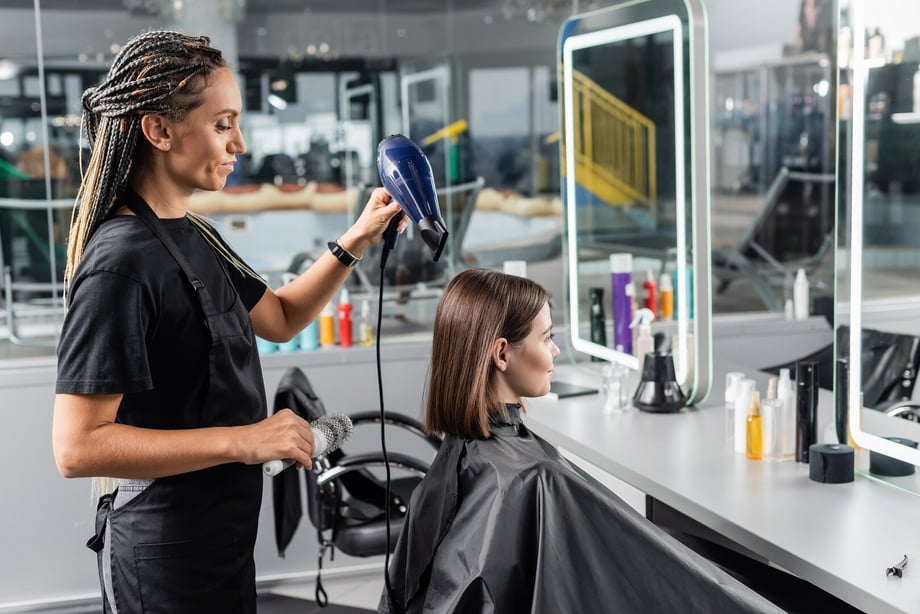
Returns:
(406, 174)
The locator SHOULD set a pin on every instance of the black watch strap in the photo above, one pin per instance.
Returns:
(343, 255)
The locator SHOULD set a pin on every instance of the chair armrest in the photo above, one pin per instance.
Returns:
(357, 462)
(410, 424)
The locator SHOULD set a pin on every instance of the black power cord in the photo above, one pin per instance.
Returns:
(388, 244)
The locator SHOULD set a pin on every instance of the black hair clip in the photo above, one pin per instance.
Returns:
(898, 568)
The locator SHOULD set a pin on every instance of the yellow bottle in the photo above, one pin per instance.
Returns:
(327, 326)
(754, 448)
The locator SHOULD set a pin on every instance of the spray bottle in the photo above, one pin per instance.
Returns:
(645, 343)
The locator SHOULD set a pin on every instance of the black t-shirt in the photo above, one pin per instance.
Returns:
(135, 326)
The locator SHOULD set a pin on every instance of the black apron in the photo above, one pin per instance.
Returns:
(185, 544)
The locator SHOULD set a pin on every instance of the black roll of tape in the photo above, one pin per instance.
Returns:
(879, 464)
(830, 463)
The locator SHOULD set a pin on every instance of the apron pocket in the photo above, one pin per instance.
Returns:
(196, 575)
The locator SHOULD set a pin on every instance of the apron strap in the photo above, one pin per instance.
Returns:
(145, 214)
(97, 541)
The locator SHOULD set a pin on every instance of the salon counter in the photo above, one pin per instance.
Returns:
(839, 537)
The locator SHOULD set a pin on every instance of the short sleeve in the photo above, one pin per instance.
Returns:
(103, 347)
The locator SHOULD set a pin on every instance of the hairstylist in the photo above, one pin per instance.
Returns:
(159, 383)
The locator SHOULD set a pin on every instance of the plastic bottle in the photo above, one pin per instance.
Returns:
(344, 318)
(650, 300)
(666, 297)
(754, 431)
(742, 401)
(309, 337)
(622, 296)
(800, 295)
(645, 343)
(365, 332)
(327, 326)
(598, 321)
(786, 394)
(771, 412)
(732, 388)
(616, 387)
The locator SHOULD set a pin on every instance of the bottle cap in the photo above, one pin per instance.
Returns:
(732, 385)
(343, 297)
(621, 263)
(643, 321)
(772, 388)
(754, 405)
(664, 283)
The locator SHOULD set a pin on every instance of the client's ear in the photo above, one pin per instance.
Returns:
(500, 354)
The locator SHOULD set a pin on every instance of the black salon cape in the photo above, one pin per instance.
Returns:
(505, 525)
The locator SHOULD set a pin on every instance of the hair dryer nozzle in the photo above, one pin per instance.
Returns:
(406, 174)
(434, 234)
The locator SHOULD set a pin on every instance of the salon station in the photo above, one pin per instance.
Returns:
(718, 194)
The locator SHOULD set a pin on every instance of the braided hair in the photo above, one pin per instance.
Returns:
(156, 73)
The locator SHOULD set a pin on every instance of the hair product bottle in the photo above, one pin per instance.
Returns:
(598, 319)
(344, 318)
(754, 448)
(771, 412)
(622, 296)
(365, 332)
(732, 388)
(806, 408)
(742, 403)
(665, 297)
(650, 288)
(327, 326)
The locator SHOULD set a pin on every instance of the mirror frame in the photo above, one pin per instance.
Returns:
(690, 51)
(859, 65)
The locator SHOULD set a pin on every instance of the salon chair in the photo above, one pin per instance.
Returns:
(345, 499)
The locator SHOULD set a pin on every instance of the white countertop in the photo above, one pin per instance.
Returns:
(840, 537)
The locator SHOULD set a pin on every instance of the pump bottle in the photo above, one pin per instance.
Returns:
(771, 417)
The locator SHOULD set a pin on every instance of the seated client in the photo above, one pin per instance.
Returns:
(502, 523)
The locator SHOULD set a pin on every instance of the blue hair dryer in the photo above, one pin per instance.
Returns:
(406, 174)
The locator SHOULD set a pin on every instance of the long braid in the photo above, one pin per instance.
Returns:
(159, 72)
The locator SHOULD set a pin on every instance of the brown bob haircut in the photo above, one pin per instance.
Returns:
(478, 306)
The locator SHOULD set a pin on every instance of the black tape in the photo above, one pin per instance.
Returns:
(831, 463)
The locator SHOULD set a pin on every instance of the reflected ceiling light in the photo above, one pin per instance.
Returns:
(8, 69)
(277, 101)
(7, 138)
(537, 10)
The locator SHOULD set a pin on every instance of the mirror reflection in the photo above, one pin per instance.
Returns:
(880, 115)
(627, 76)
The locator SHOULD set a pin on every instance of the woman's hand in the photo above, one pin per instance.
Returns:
(282, 435)
(368, 228)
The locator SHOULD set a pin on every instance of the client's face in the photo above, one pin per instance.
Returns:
(530, 364)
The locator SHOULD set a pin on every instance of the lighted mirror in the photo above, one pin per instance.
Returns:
(633, 81)
(879, 262)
